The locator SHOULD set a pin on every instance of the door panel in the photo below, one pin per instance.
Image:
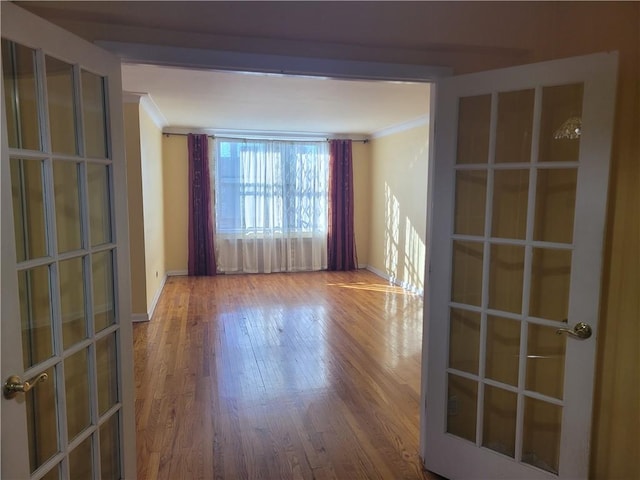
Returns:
(65, 280)
(519, 193)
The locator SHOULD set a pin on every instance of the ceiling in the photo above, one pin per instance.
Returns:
(226, 100)
(276, 103)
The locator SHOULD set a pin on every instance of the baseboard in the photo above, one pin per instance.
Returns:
(156, 297)
(177, 273)
(395, 281)
(139, 317)
(379, 273)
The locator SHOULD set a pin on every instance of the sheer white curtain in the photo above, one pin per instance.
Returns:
(271, 205)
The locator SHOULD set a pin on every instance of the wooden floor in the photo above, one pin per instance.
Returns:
(305, 376)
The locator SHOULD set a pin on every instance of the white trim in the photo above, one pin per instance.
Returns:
(156, 297)
(405, 285)
(422, 120)
(264, 134)
(146, 101)
(265, 63)
(131, 97)
(177, 273)
(139, 317)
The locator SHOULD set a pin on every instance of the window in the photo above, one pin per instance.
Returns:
(270, 187)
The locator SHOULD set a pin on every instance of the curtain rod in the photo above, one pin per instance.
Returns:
(168, 134)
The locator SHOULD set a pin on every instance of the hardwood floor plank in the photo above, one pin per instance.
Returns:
(280, 376)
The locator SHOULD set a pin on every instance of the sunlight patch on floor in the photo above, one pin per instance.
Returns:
(373, 287)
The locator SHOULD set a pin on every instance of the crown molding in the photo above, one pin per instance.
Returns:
(146, 101)
(401, 127)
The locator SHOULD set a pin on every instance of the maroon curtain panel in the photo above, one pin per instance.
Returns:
(341, 246)
(202, 260)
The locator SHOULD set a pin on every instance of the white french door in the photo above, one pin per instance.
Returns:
(67, 404)
(519, 190)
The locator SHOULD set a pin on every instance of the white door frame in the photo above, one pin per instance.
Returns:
(30, 30)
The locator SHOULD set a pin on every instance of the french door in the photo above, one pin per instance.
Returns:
(67, 405)
(520, 176)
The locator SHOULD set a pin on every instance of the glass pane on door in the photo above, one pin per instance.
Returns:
(21, 96)
(27, 188)
(66, 180)
(62, 106)
(510, 270)
(42, 421)
(94, 114)
(36, 313)
(80, 460)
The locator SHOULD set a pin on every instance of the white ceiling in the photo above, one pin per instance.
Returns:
(276, 103)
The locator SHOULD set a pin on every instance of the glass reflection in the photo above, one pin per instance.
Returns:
(499, 426)
(107, 368)
(473, 129)
(560, 104)
(27, 191)
(550, 282)
(466, 284)
(62, 116)
(104, 313)
(503, 349)
(555, 205)
(35, 315)
(464, 340)
(42, 427)
(462, 400)
(110, 449)
(99, 203)
(76, 371)
(541, 434)
(545, 361)
(66, 179)
(514, 126)
(506, 271)
(20, 95)
(471, 193)
(94, 115)
(72, 301)
(510, 199)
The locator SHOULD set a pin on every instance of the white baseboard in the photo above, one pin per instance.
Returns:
(380, 273)
(395, 281)
(177, 273)
(156, 297)
(139, 317)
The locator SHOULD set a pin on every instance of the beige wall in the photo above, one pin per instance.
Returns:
(175, 160)
(397, 215)
(136, 218)
(153, 205)
(362, 199)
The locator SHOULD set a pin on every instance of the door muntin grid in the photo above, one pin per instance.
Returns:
(514, 204)
(61, 174)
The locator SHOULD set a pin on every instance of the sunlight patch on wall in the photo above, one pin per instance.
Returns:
(414, 259)
(391, 233)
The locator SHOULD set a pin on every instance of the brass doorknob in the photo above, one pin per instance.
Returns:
(14, 384)
(581, 330)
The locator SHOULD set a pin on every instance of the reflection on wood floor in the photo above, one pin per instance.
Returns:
(305, 376)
